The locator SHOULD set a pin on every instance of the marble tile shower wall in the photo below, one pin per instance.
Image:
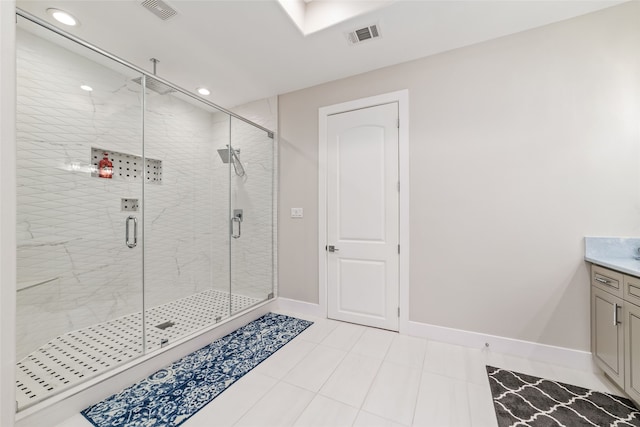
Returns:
(70, 226)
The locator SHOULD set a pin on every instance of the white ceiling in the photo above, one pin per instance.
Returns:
(245, 50)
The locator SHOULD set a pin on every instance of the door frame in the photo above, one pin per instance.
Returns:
(402, 98)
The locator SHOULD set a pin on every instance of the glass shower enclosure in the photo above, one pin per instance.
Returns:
(145, 214)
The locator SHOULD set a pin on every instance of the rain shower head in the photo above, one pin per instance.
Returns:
(224, 155)
(230, 154)
(155, 85)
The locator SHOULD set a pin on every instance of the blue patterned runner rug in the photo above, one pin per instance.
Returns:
(524, 400)
(170, 396)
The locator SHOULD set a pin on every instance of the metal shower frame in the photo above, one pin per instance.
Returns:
(26, 15)
(147, 74)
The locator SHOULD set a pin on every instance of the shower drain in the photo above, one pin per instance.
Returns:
(165, 325)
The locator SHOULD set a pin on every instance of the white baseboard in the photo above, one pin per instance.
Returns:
(302, 307)
(575, 359)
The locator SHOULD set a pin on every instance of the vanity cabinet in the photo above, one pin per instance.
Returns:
(615, 327)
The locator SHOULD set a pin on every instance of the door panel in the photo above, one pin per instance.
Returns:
(607, 344)
(358, 278)
(360, 154)
(607, 340)
(362, 216)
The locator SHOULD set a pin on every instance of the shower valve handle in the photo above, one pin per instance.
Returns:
(237, 218)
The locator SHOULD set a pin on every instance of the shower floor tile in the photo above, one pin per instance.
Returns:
(76, 355)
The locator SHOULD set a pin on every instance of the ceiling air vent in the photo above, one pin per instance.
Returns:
(160, 9)
(363, 34)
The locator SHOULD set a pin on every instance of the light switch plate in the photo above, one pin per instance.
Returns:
(297, 213)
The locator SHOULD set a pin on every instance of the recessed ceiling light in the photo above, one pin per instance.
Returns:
(203, 91)
(63, 17)
(86, 87)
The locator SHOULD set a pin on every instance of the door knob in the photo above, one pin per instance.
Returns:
(332, 248)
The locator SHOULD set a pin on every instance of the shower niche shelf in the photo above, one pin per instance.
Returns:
(127, 166)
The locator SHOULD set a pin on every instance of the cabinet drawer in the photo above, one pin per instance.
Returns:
(632, 289)
(607, 280)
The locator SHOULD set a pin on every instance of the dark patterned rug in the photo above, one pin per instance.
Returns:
(173, 394)
(524, 400)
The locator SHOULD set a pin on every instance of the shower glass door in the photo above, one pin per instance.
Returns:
(186, 193)
(251, 213)
(144, 214)
(79, 255)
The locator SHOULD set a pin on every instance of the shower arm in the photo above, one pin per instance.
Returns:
(155, 64)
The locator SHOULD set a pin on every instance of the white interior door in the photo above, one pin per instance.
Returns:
(362, 216)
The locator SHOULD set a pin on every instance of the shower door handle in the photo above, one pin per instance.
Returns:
(135, 232)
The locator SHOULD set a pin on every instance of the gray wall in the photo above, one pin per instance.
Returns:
(519, 148)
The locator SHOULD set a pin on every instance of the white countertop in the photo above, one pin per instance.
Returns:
(616, 253)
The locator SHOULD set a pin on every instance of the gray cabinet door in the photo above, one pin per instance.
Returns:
(607, 337)
(632, 350)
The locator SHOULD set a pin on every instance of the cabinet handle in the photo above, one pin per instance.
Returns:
(615, 314)
(601, 280)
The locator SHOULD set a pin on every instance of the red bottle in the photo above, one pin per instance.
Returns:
(105, 167)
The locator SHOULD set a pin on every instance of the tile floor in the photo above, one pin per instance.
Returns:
(339, 374)
(72, 357)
